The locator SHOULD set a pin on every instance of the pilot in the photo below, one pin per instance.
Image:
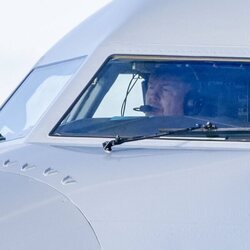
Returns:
(166, 93)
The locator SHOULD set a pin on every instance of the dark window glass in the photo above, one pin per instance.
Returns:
(139, 97)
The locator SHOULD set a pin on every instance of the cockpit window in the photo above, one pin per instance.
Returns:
(26, 106)
(132, 97)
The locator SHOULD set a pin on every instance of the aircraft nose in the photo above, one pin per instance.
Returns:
(35, 216)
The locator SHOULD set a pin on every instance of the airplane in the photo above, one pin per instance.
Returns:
(132, 132)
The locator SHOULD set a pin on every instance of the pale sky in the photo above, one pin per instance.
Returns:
(29, 28)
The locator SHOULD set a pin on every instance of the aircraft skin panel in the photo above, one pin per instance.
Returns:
(35, 216)
(85, 39)
(211, 24)
(162, 202)
(60, 190)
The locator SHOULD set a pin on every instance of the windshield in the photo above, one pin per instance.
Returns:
(133, 97)
(32, 98)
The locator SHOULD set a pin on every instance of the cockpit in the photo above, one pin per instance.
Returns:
(131, 96)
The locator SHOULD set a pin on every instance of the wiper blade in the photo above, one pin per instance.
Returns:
(107, 146)
(2, 138)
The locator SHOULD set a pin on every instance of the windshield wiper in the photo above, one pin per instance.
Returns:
(2, 138)
(107, 146)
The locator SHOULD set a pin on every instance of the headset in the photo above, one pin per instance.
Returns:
(193, 103)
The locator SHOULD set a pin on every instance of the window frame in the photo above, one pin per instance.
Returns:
(140, 58)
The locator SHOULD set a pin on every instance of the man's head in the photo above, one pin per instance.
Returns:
(166, 93)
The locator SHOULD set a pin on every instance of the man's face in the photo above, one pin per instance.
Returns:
(166, 95)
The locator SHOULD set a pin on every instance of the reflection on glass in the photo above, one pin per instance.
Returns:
(139, 97)
(32, 98)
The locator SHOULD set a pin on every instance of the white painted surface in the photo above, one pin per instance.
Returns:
(145, 195)
(35, 216)
(138, 198)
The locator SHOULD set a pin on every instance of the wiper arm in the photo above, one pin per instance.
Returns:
(107, 146)
(2, 138)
